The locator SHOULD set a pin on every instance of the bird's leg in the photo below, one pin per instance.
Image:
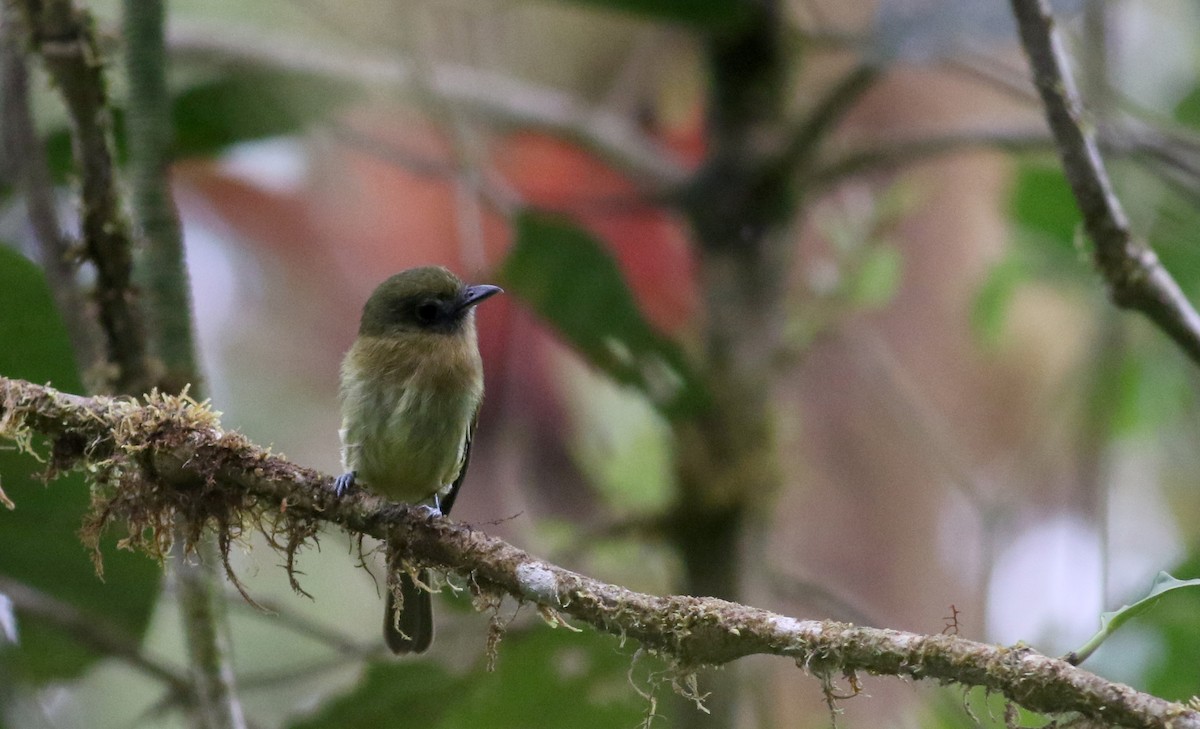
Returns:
(344, 483)
(432, 511)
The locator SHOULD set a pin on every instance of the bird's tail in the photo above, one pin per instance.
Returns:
(413, 631)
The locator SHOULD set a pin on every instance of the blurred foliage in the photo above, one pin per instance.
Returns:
(621, 444)
(212, 114)
(859, 231)
(977, 708)
(722, 15)
(1147, 384)
(1154, 384)
(990, 309)
(877, 278)
(1161, 189)
(542, 678)
(862, 270)
(39, 541)
(570, 280)
(1187, 111)
(246, 104)
(1047, 217)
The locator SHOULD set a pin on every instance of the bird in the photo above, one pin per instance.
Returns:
(410, 391)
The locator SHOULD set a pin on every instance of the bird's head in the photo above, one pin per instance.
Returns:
(427, 299)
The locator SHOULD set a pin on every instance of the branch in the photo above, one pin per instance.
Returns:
(63, 36)
(24, 150)
(161, 270)
(501, 97)
(198, 469)
(1136, 278)
(94, 632)
(888, 155)
(206, 632)
(831, 109)
(163, 273)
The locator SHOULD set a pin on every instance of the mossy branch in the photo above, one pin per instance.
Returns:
(63, 36)
(167, 458)
(23, 149)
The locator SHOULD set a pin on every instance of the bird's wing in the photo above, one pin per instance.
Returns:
(447, 501)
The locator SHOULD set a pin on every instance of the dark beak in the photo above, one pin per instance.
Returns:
(473, 295)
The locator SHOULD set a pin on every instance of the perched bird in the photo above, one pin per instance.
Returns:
(410, 390)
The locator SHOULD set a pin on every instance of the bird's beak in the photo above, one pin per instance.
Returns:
(473, 295)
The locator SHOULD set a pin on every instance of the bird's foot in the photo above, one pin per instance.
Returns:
(431, 512)
(343, 483)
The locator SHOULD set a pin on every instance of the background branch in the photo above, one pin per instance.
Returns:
(1136, 278)
(205, 630)
(480, 92)
(180, 445)
(23, 150)
(163, 274)
(94, 632)
(62, 35)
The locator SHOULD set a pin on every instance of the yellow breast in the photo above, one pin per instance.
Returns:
(407, 405)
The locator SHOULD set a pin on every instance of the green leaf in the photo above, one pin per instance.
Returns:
(568, 278)
(1111, 622)
(620, 442)
(248, 105)
(39, 544)
(1187, 111)
(1042, 203)
(877, 278)
(1152, 388)
(703, 14)
(211, 115)
(1171, 230)
(542, 677)
(1175, 637)
(1048, 231)
(990, 308)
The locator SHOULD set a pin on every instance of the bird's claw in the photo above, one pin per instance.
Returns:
(431, 512)
(343, 483)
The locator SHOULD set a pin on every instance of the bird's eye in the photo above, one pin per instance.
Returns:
(427, 311)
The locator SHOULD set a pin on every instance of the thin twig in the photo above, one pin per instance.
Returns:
(94, 632)
(477, 91)
(888, 155)
(288, 676)
(993, 72)
(1135, 276)
(300, 624)
(832, 108)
